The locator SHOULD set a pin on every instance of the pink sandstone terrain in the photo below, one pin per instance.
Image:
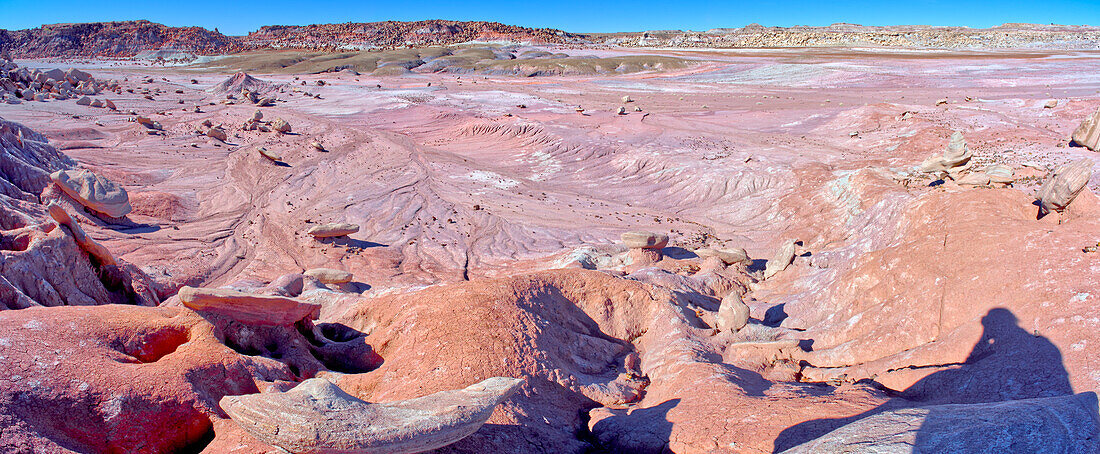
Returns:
(345, 262)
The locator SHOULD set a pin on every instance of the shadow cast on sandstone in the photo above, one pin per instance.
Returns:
(1012, 392)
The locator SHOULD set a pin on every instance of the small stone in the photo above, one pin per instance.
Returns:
(280, 125)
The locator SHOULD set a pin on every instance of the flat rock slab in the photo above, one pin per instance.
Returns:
(248, 308)
(329, 275)
(320, 418)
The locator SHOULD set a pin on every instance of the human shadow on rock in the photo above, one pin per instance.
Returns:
(1007, 364)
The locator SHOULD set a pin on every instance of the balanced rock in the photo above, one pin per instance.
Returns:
(329, 275)
(782, 259)
(1051, 424)
(733, 314)
(332, 230)
(280, 125)
(318, 417)
(93, 191)
(644, 240)
(1064, 185)
(248, 308)
(729, 257)
(1088, 133)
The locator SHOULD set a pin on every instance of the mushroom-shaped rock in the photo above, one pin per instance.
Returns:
(332, 230)
(1087, 133)
(729, 257)
(733, 314)
(280, 125)
(318, 417)
(644, 240)
(93, 191)
(248, 308)
(88, 245)
(329, 275)
(782, 259)
(645, 247)
(1064, 185)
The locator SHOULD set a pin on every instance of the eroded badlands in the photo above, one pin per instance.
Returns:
(758, 251)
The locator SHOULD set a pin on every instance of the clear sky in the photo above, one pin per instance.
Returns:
(239, 17)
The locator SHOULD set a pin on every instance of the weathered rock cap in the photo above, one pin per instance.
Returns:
(729, 256)
(93, 191)
(319, 417)
(1064, 185)
(329, 275)
(248, 308)
(644, 240)
(332, 230)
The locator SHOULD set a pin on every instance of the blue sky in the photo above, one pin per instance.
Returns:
(241, 16)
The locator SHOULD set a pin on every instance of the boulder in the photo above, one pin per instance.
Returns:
(108, 104)
(280, 125)
(1066, 424)
(329, 275)
(248, 308)
(1087, 133)
(782, 258)
(729, 257)
(84, 101)
(332, 230)
(75, 76)
(733, 314)
(1064, 185)
(96, 103)
(644, 240)
(217, 133)
(93, 191)
(318, 417)
(257, 115)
